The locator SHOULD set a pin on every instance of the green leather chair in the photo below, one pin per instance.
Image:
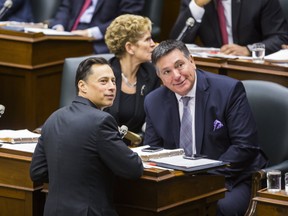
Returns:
(153, 9)
(269, 104)
(44, 10)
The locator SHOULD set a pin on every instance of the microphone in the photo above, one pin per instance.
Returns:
(123, 131)
(189, 24)
(2, 110)
(7, 5)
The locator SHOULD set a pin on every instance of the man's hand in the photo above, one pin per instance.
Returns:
(85, 33)
(284, 46)
(201, 3)
(234, 49)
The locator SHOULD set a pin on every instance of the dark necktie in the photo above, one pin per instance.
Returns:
(83, 9)
(186, 128)
(222, 22)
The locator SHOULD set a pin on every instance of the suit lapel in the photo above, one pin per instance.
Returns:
(235, 13)
(212, 17)
(99, 3)
(202, 95)
(173, 116)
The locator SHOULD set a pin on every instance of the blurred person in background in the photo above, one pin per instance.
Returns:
(246, 21)
(20, 11)
(91, 18)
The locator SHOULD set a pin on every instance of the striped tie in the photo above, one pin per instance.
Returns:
(83, 9)
(222, 22)
(186, 128)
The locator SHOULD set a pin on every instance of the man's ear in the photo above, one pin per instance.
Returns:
(82, 86)
(191, 59)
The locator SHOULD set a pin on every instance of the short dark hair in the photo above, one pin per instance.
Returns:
(168, 46)
(84, 68)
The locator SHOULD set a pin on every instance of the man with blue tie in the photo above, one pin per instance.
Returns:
(91, 18)
(221, 122)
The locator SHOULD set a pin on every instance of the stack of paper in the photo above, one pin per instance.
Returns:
(280, 56)
(180, 163)
(18, 136)
(146, 156)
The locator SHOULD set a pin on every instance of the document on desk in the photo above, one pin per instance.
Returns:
(18, 136)
(48, 31)
(146, 156)
(280, 56)
(180, 163)
(24, 147)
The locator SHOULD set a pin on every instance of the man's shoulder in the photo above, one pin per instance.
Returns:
(216, 80)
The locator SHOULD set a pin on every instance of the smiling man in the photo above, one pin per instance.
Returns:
(80, 150)
(207, 114)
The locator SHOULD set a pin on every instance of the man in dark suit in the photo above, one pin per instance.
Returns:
(248, 22)
(97, 18)
(223, 126)
(20, 11)
(80, 150)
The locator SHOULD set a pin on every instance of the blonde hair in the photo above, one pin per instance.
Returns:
(126, 28)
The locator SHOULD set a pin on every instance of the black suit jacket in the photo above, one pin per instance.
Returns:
(105, 12)
(80, 152)
(252, 21)
(147, 80)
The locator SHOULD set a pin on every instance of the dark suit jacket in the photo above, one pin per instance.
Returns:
(147, 80)
(252, 21)
(217, 98)
(105, 12)
(80, 152)
(20, 11)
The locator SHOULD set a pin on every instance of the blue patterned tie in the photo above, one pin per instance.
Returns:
(186, 128)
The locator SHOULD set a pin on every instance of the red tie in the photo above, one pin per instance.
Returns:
(84, 7)
(222, 22)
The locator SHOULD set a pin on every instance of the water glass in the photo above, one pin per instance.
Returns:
(286, 183)
(258, 52)
(274, 181)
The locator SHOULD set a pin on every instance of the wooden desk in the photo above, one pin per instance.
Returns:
(245, 69)
(19, 196)
(272, 204)
(162, 193)
(31, 66)
(156, 193)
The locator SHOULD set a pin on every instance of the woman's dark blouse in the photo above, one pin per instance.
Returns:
(147, 81)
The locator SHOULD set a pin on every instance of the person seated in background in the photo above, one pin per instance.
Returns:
(20, 11)
(80, 150)
(245, 22)
(215, 121)
(93, 21)
(129, 38)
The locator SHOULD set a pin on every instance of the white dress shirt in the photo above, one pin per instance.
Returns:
(198, 13)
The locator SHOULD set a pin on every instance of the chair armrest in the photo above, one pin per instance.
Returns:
(257, 180)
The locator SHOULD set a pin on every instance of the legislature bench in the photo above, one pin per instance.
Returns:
(157, 193)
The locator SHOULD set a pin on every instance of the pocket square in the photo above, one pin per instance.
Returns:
(217, 125)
